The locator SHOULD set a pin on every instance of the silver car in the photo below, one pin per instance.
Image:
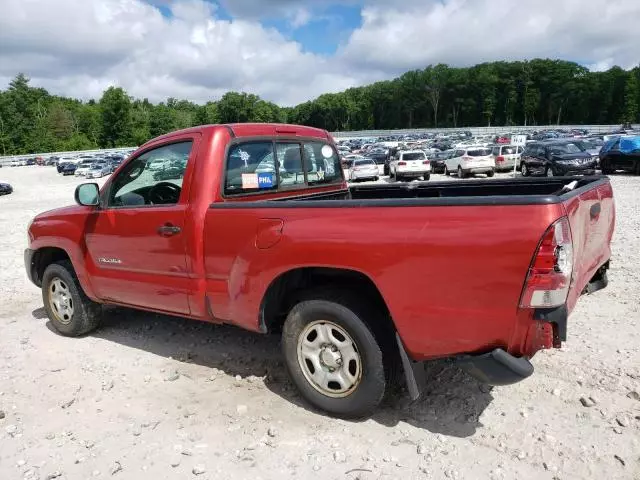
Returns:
(98, 170)
(363, 169)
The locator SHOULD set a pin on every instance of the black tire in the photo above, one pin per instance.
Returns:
(375, 179)
(427, 177)
(524, 169)
(461, 172)
(446, 171)
(606, 169)
(86, 313)
(490, 174)
(347, 312)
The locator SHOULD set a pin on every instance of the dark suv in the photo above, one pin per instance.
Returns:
(557, 158)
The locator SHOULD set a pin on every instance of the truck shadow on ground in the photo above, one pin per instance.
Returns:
(451, 404)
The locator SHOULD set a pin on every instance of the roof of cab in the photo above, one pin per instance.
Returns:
(254, 130)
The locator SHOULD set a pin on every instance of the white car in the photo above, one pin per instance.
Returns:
(83, 168)
(505, 156)
(363, 169)
(469, 161)
(410, 164)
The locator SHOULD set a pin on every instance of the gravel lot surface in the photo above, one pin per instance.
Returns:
(149, 396)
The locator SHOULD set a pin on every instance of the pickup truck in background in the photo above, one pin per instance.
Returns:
(259, 229)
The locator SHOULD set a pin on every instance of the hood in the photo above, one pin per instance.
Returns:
(62, 211)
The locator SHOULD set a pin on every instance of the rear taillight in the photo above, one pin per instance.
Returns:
(426, 162)
(500, 159)
(402, 163)
(549, 276)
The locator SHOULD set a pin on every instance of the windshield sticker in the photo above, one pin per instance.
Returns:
(249, 180)
(244, 156)
(265, 180)
(327, 151)
(320, 174)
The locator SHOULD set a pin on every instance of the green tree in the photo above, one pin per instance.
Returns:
(631, 99)
(115, 107)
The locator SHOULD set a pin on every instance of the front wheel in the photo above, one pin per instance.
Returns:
(332, 356)
(524, 170)
(71, 312)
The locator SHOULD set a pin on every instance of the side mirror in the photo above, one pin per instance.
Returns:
(87, 194)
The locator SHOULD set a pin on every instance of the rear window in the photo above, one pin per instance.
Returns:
(508, 150)
(413, 156)
(478, 152)
(272, 165)
(365, 161)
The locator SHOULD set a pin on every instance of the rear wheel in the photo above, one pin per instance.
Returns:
(490, 173)
(71, 312)
(427, 176)
(460, 172)
(332, 355)
(446, 171)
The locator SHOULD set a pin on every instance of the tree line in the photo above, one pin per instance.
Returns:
(536, 92)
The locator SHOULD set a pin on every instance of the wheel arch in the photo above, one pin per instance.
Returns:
(288, 287)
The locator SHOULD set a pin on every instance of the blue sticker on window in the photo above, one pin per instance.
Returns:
(265, 180)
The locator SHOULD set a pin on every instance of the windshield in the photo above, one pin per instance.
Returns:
(565, 149)
(413, 156)
(478, 152)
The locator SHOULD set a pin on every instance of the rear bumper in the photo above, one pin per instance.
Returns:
(478, 169)
(413, 173)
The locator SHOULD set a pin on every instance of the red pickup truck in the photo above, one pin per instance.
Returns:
(254, 225)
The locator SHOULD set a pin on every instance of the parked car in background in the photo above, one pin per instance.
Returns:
(52, 160)
(5, 189)
(98, 170)
(69, 169)
(470, 160)
(622, 153)
(83, 168)
(556, 158)
(364, 169)
(437, 160)
(410, 164)
(505, 156)
(14, 163)
(30, 161)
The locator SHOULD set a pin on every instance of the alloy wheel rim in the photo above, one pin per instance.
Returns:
(60, 301)
(329, 359)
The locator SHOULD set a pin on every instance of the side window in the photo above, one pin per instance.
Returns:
(153, 178)
(251, 168)
(322, 163)
(290, 163)
(496, 151)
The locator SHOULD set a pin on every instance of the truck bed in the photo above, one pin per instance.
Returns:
(519, 191)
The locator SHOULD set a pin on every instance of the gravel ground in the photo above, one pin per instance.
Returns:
(148, 396)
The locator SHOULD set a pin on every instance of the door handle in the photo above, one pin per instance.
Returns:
(168, 230)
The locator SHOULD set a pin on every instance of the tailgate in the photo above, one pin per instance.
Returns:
(591, 214)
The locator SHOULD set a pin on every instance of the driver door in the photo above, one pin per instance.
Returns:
(136, 239)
